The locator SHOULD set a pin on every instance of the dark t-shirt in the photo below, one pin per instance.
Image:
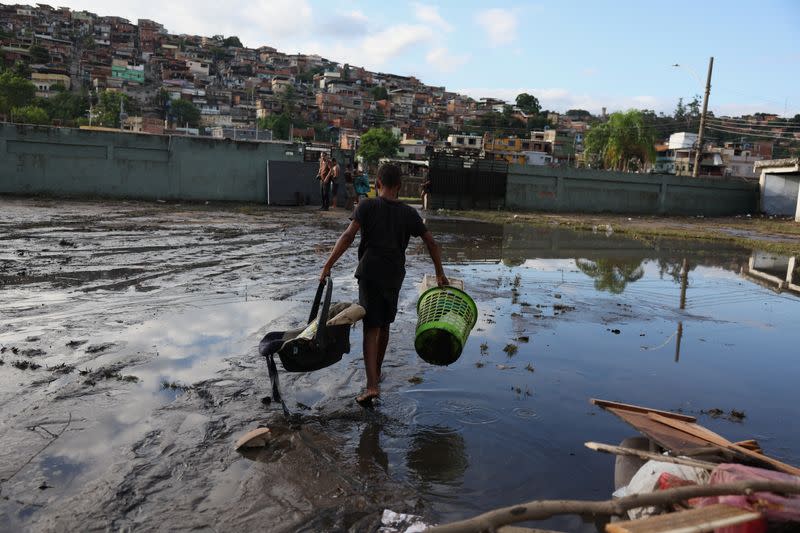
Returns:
(386, 227)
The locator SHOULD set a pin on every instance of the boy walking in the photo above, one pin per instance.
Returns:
(386, 225)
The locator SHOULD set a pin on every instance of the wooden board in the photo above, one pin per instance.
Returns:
(693, 521)
(705, 433)
(676, 441)
(429, 281)
(639, 409)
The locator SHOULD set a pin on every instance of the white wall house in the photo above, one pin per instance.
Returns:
(779, 180)
(682, 140)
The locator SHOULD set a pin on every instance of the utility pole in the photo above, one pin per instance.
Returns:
(699, 153)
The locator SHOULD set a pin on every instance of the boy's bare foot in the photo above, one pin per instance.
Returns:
(365, 398)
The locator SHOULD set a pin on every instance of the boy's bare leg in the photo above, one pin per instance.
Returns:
(371, 347)
(383, 341)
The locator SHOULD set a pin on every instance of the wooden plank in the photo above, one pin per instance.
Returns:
(693, 521)
(620, 450)
(639, 409)
(429, 281)
(676, 441)
(710, 436)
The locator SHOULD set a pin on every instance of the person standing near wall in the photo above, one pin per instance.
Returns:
(336, 179)
(361, 185)
(386, 225)
(349, 188)
(324, 182)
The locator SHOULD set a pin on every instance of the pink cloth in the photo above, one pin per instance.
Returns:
(772, 506)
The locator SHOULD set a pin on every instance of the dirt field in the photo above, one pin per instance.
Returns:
(124, 384)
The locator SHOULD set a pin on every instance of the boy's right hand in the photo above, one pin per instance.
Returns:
(442, 280)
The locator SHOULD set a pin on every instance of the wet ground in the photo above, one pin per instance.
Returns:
(128, 334)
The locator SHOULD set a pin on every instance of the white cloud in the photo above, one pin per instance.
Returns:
(430, 15)
(443, 60)
(500, 25)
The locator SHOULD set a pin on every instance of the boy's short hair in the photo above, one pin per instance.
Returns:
(390, 175)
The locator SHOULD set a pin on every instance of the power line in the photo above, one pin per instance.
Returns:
(736, 123)
(758, 132)
(751, 134)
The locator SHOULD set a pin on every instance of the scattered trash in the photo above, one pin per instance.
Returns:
(479, 364)
(97, 348)
(256, 438)
(25, 365)
(614, 331)
(529, 367)
(415, 380)
(504, 367)
(510, 349)
(392, 522)
(523, 338)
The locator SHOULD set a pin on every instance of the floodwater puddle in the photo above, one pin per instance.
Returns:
(142, 389)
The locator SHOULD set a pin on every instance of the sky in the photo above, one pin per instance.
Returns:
(585, 54)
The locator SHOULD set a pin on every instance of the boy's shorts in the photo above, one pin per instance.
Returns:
(380, 304)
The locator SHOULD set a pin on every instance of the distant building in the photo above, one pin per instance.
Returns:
(465, 141)
(44, 82)
(779, 181)
(241, 134)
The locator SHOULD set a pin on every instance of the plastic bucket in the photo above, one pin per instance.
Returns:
(445, 317)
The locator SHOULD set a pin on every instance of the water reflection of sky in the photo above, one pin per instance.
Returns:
(191, 346)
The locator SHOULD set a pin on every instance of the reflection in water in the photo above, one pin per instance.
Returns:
(777, 272)
(369, 449)
(437, 455)
(611, 275)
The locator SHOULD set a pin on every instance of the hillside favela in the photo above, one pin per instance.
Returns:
(482, 268)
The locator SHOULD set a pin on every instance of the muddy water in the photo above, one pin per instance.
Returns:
(145, 318)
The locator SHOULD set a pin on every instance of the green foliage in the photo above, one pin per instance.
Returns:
(528, 103)
(280, 125)
(578, 114)
(611, 275)
(39, 54)
(64, 106)
(377, 143)
(232, 41)
(185, 112)
(108, 108)
(442, 132)
(379, 92)
(30, 115)
(496, 123)
(620, 142)
(15, 91)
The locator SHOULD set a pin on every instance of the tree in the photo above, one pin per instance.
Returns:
(15, 91)
(377, 143)
(39, 54)
(621, 141)
(64, 106)
(680, 110)
(232, 41)
(185, 112)
(580, 114)
(280, 125)
(108, 108)
(693, 107)
(379, 92)
(30, 115)
(611, 275)
(528, 103)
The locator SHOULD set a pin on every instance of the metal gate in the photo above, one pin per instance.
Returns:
(458, 183)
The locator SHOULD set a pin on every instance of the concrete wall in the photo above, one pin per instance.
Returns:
(69, 162)
(580, 190)
(780, 193)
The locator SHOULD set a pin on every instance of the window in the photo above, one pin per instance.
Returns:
(472, 142)
(525, 146)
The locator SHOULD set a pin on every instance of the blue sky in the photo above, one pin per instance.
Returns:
(570, 54)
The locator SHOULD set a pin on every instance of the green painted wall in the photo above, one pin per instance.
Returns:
(74, 162)
(540, 188)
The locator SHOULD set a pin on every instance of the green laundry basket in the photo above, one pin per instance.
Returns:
(445, 316)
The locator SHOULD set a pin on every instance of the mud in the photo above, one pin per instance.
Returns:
(143, 320)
